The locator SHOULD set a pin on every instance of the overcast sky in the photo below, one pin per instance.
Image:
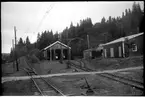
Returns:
(33, 17)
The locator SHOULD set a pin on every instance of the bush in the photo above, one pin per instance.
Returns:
(40, 56)
(33, 59)
(37, 53)
(34, 51)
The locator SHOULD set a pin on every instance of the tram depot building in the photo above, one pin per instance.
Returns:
(118, 48)
(56, 51)
(123, 47)
(131, 45)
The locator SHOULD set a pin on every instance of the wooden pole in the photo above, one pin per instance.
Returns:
(12, 43)
(15, 49)
(13, 54)
(88, 41)
(69, 54)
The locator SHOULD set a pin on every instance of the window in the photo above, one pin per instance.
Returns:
(134, 47)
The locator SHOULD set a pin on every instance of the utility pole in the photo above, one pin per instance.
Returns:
(15, 49)
(12, 43)
(13, 53)
(88, 41)
(88, 47)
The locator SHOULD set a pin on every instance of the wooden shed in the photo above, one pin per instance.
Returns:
(87, 53)
(93, 53)
(56, 51)
(124, 47)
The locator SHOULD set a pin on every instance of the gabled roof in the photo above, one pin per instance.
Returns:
(56, 43)
(123, 39)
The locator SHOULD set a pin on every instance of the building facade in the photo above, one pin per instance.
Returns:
(56, 51)
(124, 47)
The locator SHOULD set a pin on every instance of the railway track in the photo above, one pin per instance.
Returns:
(45, 88)
(79, 67)
(123, 80)
(126, 81)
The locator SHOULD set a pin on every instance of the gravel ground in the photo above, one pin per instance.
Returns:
(75, 85)
(45, 66)
(17, 88)
(134, 75)
(101, 86)
(9, 70)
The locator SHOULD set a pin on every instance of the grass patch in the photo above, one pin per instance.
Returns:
(17, 88)
(114, 63)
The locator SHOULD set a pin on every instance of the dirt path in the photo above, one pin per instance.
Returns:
(5, 79)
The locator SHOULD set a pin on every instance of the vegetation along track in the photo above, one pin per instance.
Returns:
(79, 67)
(124, 80)
(133, 83)
(44, 87)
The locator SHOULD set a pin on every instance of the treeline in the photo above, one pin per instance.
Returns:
(22, 48)
(131, 22)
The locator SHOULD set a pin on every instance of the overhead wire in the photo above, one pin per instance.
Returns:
(46, 13)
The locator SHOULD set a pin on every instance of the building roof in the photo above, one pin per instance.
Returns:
(99, 48)
(57, 42)
(94, 49)
(123, 39)
(87, 50)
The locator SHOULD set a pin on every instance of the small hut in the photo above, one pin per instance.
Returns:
(93, 53)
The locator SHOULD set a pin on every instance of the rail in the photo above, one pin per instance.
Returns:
(34, 82)
(79, 66)
(47, 82)
(123, 80)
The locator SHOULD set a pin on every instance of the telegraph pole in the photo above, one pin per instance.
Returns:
(88, 45)
(13, 53)
(88, 41)
(15, 49)
(12, 43)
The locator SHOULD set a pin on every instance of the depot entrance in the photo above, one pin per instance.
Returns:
(56, 54)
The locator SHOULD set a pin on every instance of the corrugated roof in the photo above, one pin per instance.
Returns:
(56, 43)
(123, 39)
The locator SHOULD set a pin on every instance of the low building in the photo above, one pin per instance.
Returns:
(87, 54)
(56, 51)
(93, 53)
(124, 47)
